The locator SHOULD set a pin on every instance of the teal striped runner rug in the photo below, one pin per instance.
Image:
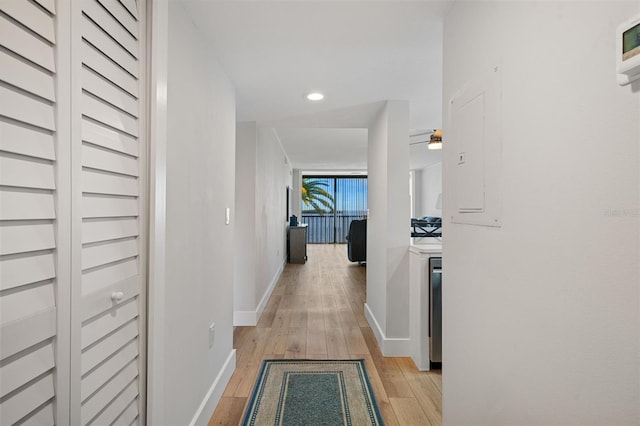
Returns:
(313, 392)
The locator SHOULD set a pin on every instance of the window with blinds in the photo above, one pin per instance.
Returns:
(329, 204)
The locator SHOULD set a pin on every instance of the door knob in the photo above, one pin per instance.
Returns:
(117, 296)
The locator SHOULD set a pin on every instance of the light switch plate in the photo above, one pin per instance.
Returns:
(461, 157)
(212, 334)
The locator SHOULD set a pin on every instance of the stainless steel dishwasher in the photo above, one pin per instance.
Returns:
(435, 312)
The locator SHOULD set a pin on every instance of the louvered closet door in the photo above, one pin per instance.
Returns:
(108, 287)
(27, 211)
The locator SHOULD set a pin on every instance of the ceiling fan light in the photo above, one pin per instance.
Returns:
(434, 145)
(436, 140)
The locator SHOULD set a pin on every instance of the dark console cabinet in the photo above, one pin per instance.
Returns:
(297, 244)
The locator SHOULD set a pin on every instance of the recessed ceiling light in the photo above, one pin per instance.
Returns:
(315, 96)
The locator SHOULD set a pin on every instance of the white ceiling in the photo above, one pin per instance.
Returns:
(358, 53)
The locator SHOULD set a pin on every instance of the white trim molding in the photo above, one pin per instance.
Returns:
(251, 318)
(389, 346)
(211, 399)
(158, 30)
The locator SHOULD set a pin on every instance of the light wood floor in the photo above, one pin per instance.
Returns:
(316, 311)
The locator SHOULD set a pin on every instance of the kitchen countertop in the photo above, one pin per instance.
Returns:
(426, 245)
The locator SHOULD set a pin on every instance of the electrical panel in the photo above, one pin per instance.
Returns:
(473, 141)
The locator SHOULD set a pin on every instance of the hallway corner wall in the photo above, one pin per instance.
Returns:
(245, 261)
(388, 237)
(541, 316)
(187, 376)
(273, 176)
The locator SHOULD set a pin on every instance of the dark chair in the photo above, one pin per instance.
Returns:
(357, 241)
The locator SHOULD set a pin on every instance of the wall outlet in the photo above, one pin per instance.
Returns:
(212, 334)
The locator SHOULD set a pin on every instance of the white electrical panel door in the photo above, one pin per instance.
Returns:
(470, 184)
(28, 216)
(108, 285)
(473, 146)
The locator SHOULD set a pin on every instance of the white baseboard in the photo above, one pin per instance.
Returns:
(211, 399)
(267, 294)
(250, 318)
(389, 346)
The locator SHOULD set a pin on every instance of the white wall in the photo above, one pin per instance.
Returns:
(432, 188)
(541, 316)
(296, 203)
(262, 176)
(429, 187)
(387, 306)
(273, 175)
(187, 376)
(244, 287)
(377, 222)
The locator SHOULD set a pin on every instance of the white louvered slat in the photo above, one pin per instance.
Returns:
(96, 279)
(106, 114)
(130, 416)
(97, 182)
(107, 23)
(99, 135)
(108, 92)
(20, 335)
(132, 7)
(28, 313)
(49, 5)
(135, 422)
(19, 205)
(30, 301)
(99, 327)
(112, 229)
(94, 190)
(30, 16)
(26, 109)
(24, 369)
(25, 237)
(107, 347)
(43, 417)
(26, 141)
(109, 48)
(103, 206)
(108, 393)
(26, 172)
(95, 60)
(121, 14)
(24, 402)
(26, 45)
(98, 377)
(101, 300)
(120, 407)
(25, 76)
(102, 159)
(20, 270)
(103, 253)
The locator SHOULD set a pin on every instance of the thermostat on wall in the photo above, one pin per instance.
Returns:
(628, 51)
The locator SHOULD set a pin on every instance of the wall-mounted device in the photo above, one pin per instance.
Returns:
(628, 51)
(475, 150)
